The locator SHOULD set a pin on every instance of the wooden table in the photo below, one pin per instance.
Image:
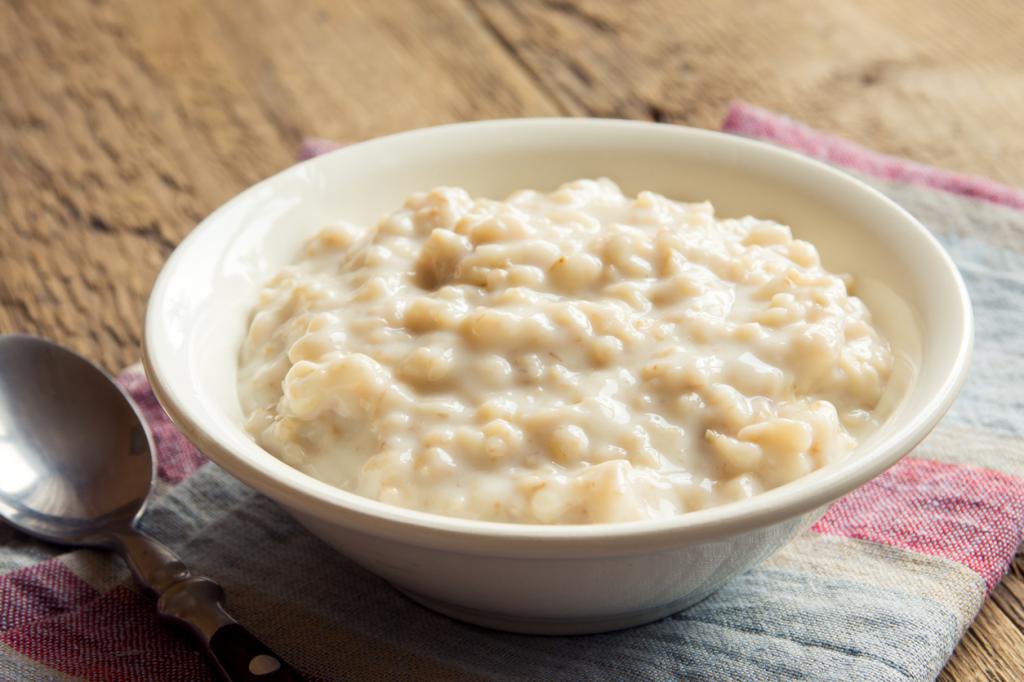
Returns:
(123, 123)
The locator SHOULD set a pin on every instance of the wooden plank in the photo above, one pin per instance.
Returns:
(1009, 594)
(942, 82)
(131, 121)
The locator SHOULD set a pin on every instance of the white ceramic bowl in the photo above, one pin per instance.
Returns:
(554, 579)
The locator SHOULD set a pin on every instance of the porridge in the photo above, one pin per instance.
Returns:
(573, 357)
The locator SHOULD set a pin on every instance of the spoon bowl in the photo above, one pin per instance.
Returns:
(75, 473)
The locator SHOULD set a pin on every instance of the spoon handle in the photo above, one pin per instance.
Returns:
(198, 603)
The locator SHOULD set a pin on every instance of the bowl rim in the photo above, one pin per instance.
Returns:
(312, 497)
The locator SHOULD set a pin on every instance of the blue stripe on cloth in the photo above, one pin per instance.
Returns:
(331, 616)
(16, 667)
(992, 398)
(19, 550)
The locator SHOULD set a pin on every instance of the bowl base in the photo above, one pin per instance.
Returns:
(527, 625)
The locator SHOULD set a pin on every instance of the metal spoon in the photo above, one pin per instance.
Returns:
(76, 467)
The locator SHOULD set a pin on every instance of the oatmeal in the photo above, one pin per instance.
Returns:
(573, 357)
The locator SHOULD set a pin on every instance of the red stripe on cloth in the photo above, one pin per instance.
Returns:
(176, 457)
(45, 589)
(116, 636)
(315, 146)
(751, 121)
(967, 514)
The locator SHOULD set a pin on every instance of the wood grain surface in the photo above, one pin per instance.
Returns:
(123, 123)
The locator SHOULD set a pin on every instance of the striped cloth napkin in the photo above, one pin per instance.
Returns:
(881, 588)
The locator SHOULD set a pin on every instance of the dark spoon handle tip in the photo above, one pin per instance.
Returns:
(243, 658)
